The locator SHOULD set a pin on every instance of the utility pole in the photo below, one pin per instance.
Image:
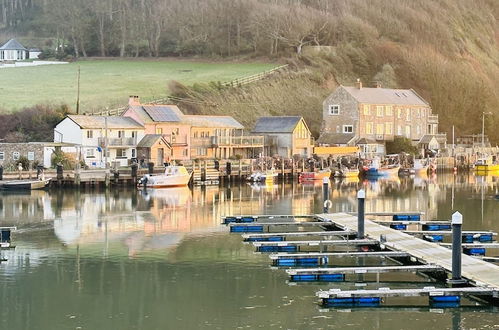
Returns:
(78, 92)
(483, 127)
(105, 140)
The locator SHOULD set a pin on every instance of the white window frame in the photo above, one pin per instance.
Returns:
(121, 153)
(90, 134)
(369, 128)
(389, 128)
(345, 127)
(379, 111)
(16, 155)
(90, 153)
(134, 153)
(380, 129)
(334, 109)
(31, 155)
(2, 155)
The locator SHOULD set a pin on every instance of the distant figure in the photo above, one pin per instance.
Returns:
(20, 168)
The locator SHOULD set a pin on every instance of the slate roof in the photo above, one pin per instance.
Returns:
(12, 44)
(386, 96)
(277, 124)
(335, 138)
(149, 140)
(212, 121)
(99, 122)
(440, 138)
(366, 141)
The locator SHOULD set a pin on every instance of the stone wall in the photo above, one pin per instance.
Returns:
(349, 112)
(8, 150)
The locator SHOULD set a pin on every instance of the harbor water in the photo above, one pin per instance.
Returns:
(159, 259)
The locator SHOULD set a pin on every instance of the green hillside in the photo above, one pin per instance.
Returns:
(108, 83)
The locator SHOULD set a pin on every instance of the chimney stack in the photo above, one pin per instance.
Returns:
(133, 100)
(359, 83)
(378, 84)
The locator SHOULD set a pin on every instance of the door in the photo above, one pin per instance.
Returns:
(160, 158)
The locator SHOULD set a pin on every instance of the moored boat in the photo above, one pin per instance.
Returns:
(486, 165)
(268, 175)
(421, 167)
(346, 172)
(174, 176)
(25, 184)
(312, 176)
(391, 170)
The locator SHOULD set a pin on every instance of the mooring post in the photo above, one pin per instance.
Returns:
(361, 199)
(134, 173)
(325, 189)
(457, 223)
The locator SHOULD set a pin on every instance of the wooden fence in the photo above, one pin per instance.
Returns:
(168, 99)
(253, 78)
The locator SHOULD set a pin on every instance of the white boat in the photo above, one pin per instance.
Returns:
(174, 176)
(269, 175)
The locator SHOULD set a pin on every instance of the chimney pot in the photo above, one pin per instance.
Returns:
(133, 100)
(359, 83)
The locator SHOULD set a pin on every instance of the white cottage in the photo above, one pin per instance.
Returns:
(12, 50)
(90, 133)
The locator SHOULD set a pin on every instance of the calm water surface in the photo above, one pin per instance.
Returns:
(125, 259)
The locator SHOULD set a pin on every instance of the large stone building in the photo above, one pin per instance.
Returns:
(368, 117)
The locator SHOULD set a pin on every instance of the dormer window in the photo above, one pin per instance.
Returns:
(334, 109)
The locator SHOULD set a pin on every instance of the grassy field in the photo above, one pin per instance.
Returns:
(108, 83)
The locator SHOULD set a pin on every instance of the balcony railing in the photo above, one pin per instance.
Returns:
(175, 139)
(118, 142)
(238, 141)
(433, 119)
(206, 142)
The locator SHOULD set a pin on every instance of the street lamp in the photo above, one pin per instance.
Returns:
(483, 127)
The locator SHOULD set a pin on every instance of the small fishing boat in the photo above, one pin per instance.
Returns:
(174, 176)
(375, 170)
(268, 175)
(312, 176)
(25, 184)
(421, 167)
(486, 165)
(390, 170)
(346, 172)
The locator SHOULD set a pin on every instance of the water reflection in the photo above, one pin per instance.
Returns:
(125, 258)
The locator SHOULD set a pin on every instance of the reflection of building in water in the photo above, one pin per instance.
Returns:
(25, 207)
(106, 217)
(389, 195)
